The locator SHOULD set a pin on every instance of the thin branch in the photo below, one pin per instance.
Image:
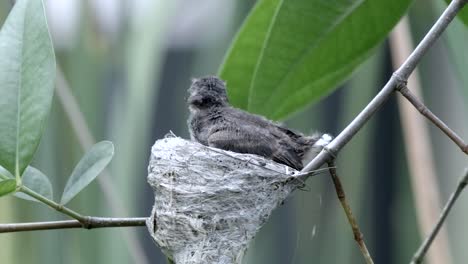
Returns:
(419, 152)
(91, 223)
(349, 214)
(398, 79)
(421, 252)
(433, 118)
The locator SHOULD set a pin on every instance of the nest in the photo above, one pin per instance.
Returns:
(210, 203)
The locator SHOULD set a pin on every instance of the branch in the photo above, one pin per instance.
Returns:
(419, 152)
(349, 214)
(419, 255)
(433, 118)
(90, 223)
(398, 79)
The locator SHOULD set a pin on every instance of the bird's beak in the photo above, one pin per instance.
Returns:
(194, 100)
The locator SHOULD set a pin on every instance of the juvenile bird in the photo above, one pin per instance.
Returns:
(214, 122)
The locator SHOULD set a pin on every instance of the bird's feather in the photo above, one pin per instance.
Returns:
(215, 123)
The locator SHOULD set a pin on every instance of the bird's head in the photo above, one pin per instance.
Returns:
(207, 92)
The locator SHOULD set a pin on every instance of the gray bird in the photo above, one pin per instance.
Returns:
(213, 122)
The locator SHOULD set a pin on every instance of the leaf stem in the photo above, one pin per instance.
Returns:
(52, 204)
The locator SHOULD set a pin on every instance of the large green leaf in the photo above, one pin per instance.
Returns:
(27, 72)
(35, 180)
(463, 14)
(291, 53)
(7, 186)
(89, 167)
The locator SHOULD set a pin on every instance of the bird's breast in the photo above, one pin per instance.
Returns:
(201, 124)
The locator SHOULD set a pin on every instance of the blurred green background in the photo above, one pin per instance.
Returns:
(129, 64)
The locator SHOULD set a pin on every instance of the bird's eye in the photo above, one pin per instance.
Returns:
(200, 101)
(205, 101)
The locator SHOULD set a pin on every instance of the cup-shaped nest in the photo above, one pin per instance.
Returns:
(209, 203)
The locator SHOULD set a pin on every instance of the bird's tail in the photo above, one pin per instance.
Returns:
(318, 141)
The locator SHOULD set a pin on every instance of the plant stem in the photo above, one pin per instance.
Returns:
(419, 150)
(92, 222)
(52, 204)
(433, 118)
(397, 80)
(421, 252)
(349, 214)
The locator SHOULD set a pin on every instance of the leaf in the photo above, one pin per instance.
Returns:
(4, 174)
(289, 54)
(27, 73)
(35, 180)
(7, 186)
(462, 15)
(89, 167)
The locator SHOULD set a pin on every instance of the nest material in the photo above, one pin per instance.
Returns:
(209, 203)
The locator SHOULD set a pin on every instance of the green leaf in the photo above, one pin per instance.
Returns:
(36, 181)
(4, 174)
(7, 186)
(89, 167)
(462, 15)
(27, 73)
(289, 54)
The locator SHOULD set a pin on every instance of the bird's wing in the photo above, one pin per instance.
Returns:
(260, 121)
(247, 138)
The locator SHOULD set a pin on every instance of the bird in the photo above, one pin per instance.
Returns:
(215, 123)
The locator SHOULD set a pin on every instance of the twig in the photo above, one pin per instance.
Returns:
(419, 255)
(433, 118)
(349, 214)
(398, 79)
(419, 153)
(91, 222)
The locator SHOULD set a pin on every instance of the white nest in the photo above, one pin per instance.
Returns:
(209, 203)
